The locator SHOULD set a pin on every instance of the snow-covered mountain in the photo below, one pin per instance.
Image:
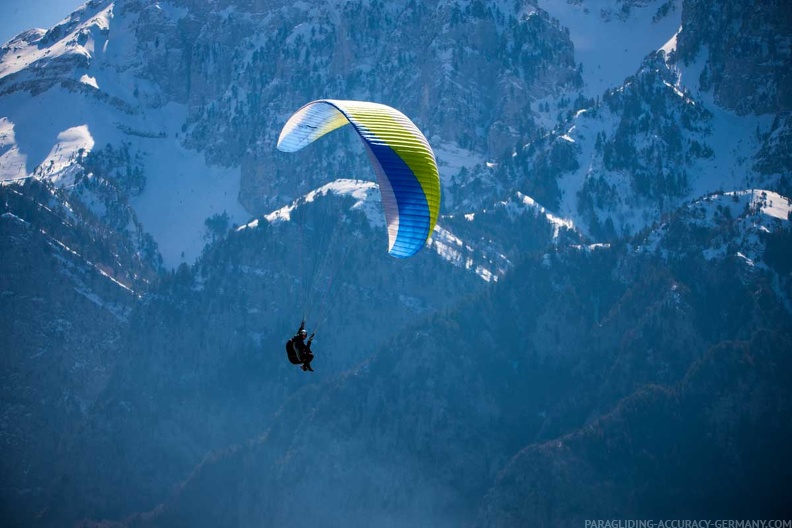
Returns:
(613, 247)
(81, 88)
(197, 108)
(198, 93)
(748, 216)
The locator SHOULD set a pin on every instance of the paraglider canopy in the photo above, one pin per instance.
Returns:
(402, 158)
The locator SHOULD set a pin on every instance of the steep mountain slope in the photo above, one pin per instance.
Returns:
(205, 365)
(617, 160)
(723, 422)
(611, 37)
(634, 463)
(747, 49)
(417, 436)
(67, 287)
(81, 88)
(619, 164)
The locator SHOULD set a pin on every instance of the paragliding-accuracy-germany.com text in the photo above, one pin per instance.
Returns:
(681, 523)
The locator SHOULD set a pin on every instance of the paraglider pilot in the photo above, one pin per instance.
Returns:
(298, 350)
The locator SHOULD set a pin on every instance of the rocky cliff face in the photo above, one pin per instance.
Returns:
(443, 80)
(747, 48)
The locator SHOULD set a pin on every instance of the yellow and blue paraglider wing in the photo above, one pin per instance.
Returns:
(402, 158)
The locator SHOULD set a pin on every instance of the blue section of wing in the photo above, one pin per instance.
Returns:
(414, 218)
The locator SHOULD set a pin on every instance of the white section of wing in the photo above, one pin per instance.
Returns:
(308, 124)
